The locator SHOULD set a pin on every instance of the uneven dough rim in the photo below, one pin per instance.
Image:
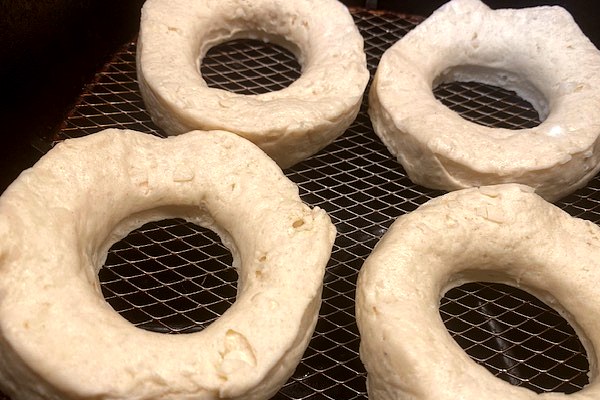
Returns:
(213, 373)
(498, 232)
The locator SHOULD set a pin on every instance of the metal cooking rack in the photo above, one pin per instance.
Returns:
(175, 277)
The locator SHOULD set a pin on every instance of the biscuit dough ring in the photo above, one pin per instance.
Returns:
(540, 53)
(59, 338)
(502, 233)
(289, 124)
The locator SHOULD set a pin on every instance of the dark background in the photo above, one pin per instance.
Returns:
(49, 50)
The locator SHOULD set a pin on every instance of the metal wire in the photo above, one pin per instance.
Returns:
(175, 277)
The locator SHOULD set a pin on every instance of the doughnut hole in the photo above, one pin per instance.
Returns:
(249, 66)
(495, 105)
(516, 337)
(169, 276)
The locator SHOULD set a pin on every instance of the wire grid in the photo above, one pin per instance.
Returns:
(174, 277)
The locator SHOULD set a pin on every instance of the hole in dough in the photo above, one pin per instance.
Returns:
(518, 338)
(491, 97)
(169, 276)
(245, 66)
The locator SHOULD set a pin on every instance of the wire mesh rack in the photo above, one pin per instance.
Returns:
(175, 277)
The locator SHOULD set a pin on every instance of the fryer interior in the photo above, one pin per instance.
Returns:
(174, 277)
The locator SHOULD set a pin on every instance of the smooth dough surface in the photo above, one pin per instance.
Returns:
(503, 233)
(540, 53)
(59, 338)
(289, 124)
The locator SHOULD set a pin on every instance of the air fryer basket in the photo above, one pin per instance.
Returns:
(175, 277)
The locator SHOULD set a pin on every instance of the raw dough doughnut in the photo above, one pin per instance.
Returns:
(540, 53)
(502, 233)
(59, 338)
(290, 124)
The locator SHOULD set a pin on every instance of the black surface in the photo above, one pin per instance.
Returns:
(49, 50)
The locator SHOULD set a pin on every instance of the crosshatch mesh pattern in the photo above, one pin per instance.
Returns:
(174, 277)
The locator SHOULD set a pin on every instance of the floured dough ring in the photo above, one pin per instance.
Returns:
(290, 124)
(540, 53)
(502, 233)
(59, 338)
